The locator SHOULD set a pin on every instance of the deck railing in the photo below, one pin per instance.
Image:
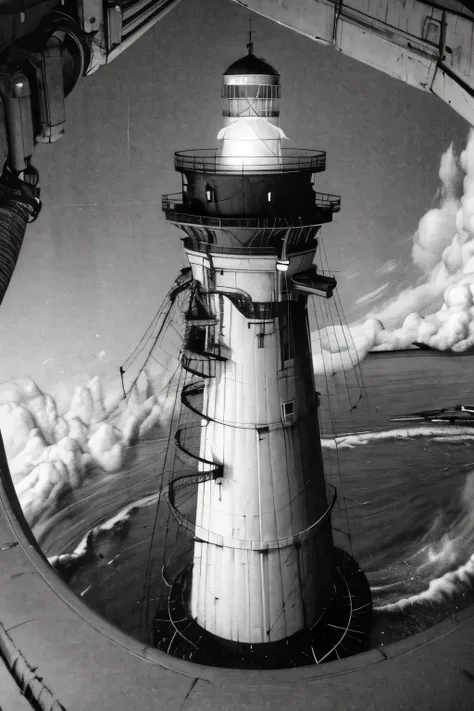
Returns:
(207, 160)
(325, 205)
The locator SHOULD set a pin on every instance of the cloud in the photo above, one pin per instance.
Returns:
(373, 294)
(53, 443)
(338, 348)
(436, 231)
(50, 453)
(438, 311)
(387, 267)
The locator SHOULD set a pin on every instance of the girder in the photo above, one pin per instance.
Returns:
(428, 45)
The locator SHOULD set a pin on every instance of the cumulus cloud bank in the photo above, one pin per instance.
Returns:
(439, 310)
(51, 452)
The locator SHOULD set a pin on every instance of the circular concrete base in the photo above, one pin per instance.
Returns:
(341, 631)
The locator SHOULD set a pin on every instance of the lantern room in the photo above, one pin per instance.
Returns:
(251, 87)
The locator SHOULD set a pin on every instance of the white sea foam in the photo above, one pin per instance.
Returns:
(438, 558)
(108, 525)
(379, 588)
(439, 589)
(347, 441)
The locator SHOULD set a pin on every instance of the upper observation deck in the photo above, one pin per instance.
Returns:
(292, 160)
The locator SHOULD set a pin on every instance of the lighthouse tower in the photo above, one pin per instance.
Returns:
(266, 587)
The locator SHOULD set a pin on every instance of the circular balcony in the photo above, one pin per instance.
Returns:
(292, 160)
(324, 206)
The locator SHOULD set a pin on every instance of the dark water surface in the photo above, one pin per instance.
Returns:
(405, 504)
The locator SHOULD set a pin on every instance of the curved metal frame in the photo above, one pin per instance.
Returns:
(207, 160)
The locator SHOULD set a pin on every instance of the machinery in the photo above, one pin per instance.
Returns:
(426, 44)
(47, 45)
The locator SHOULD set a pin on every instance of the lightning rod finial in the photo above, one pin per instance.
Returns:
(250, 43)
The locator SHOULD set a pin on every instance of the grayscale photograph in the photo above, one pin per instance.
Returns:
(237, 355)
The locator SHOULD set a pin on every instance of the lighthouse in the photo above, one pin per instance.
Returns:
(265, 587)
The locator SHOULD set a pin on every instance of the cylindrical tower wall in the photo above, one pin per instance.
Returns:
(263, 553)
(249, 195)
(238, 240)
(263, 427)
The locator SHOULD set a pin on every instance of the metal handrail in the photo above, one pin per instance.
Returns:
(184, 447)
(242, 544)
(207, 160)
(326, 205)
(319, 217)
(186, 480)
(197, 387)
(332, 201)
(214, 470)
(187, 362)
(171, 201)
(208, 354)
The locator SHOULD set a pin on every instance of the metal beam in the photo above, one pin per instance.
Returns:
(428, 45)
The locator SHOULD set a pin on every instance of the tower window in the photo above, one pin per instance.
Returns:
(269, 196)
(185, 185)
(288, 412)
(261, 340)
(285, 341)
(210, 193)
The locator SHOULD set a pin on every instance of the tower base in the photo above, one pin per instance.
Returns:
(341, 631)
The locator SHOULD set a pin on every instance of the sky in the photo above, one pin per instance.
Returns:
(98, 261)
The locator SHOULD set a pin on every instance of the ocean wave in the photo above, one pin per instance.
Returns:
(439, 590)
(83, 547)
(436, 559)
(353, 439)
